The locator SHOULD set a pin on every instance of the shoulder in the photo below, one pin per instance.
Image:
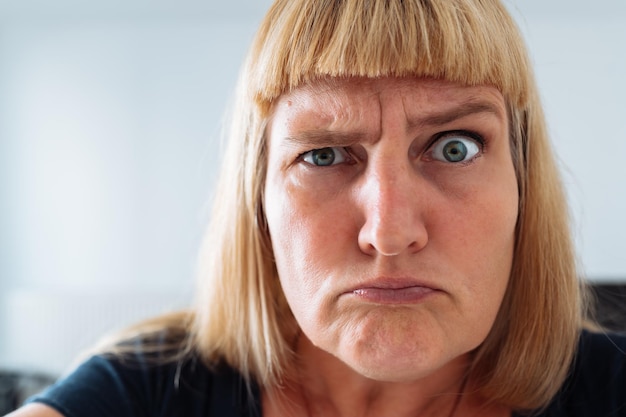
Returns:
(600, 362)
(143, 380)
(596, 385)
(613, 344)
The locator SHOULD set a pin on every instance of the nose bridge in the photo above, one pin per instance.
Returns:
(392, 210)
(390, 188)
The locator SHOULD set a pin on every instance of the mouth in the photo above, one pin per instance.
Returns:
(386, 291)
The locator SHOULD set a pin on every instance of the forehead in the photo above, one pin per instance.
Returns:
(333, 100)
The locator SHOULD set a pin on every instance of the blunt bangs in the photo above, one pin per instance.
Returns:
(472, 42)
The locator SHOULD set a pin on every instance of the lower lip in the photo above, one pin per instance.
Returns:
(407, 295)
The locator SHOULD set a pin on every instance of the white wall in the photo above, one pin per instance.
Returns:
(109, 131)
(109, 122)
(581, 65)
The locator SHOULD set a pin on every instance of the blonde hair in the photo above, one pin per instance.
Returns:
(241, 315)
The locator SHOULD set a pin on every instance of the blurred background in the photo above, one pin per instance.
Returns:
(110, 119)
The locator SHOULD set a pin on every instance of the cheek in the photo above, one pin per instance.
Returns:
(473, 231)
(295, 231)
(305, 226)
(490, 241)
(311, 239)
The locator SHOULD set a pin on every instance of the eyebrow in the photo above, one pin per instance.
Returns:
(325, 137)
(459, 112)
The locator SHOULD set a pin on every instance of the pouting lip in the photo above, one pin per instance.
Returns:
(386, 283)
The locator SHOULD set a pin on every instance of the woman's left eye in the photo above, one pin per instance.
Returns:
(324, 157)
(456, 148)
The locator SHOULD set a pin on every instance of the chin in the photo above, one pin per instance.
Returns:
(397, 364)
(404, 361)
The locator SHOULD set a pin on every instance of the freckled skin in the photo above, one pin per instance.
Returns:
(394, 211)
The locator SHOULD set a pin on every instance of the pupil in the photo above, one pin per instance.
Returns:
(455, 151)
(324, 157)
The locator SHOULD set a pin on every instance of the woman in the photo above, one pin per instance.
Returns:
(390, 238)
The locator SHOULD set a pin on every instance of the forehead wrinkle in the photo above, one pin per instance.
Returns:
(330, 118)
(328, 102)
(347, 115)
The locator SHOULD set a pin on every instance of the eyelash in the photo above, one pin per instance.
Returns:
(465, 133)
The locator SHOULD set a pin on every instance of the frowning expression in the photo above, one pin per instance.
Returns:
(392, 205)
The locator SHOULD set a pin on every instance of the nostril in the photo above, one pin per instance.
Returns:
(413, 245)
(388, 238)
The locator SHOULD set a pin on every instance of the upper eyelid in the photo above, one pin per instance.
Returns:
(477, 137)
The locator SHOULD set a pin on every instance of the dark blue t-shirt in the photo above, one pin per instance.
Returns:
(139, 386)
(107, 386)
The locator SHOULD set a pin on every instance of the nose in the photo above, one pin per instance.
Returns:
(393, 203)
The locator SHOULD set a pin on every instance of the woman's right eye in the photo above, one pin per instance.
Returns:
(324, 157)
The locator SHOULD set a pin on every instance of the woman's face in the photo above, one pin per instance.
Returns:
(392, 205)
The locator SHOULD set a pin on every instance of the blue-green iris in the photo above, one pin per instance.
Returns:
(323, 157)
(455, 151)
